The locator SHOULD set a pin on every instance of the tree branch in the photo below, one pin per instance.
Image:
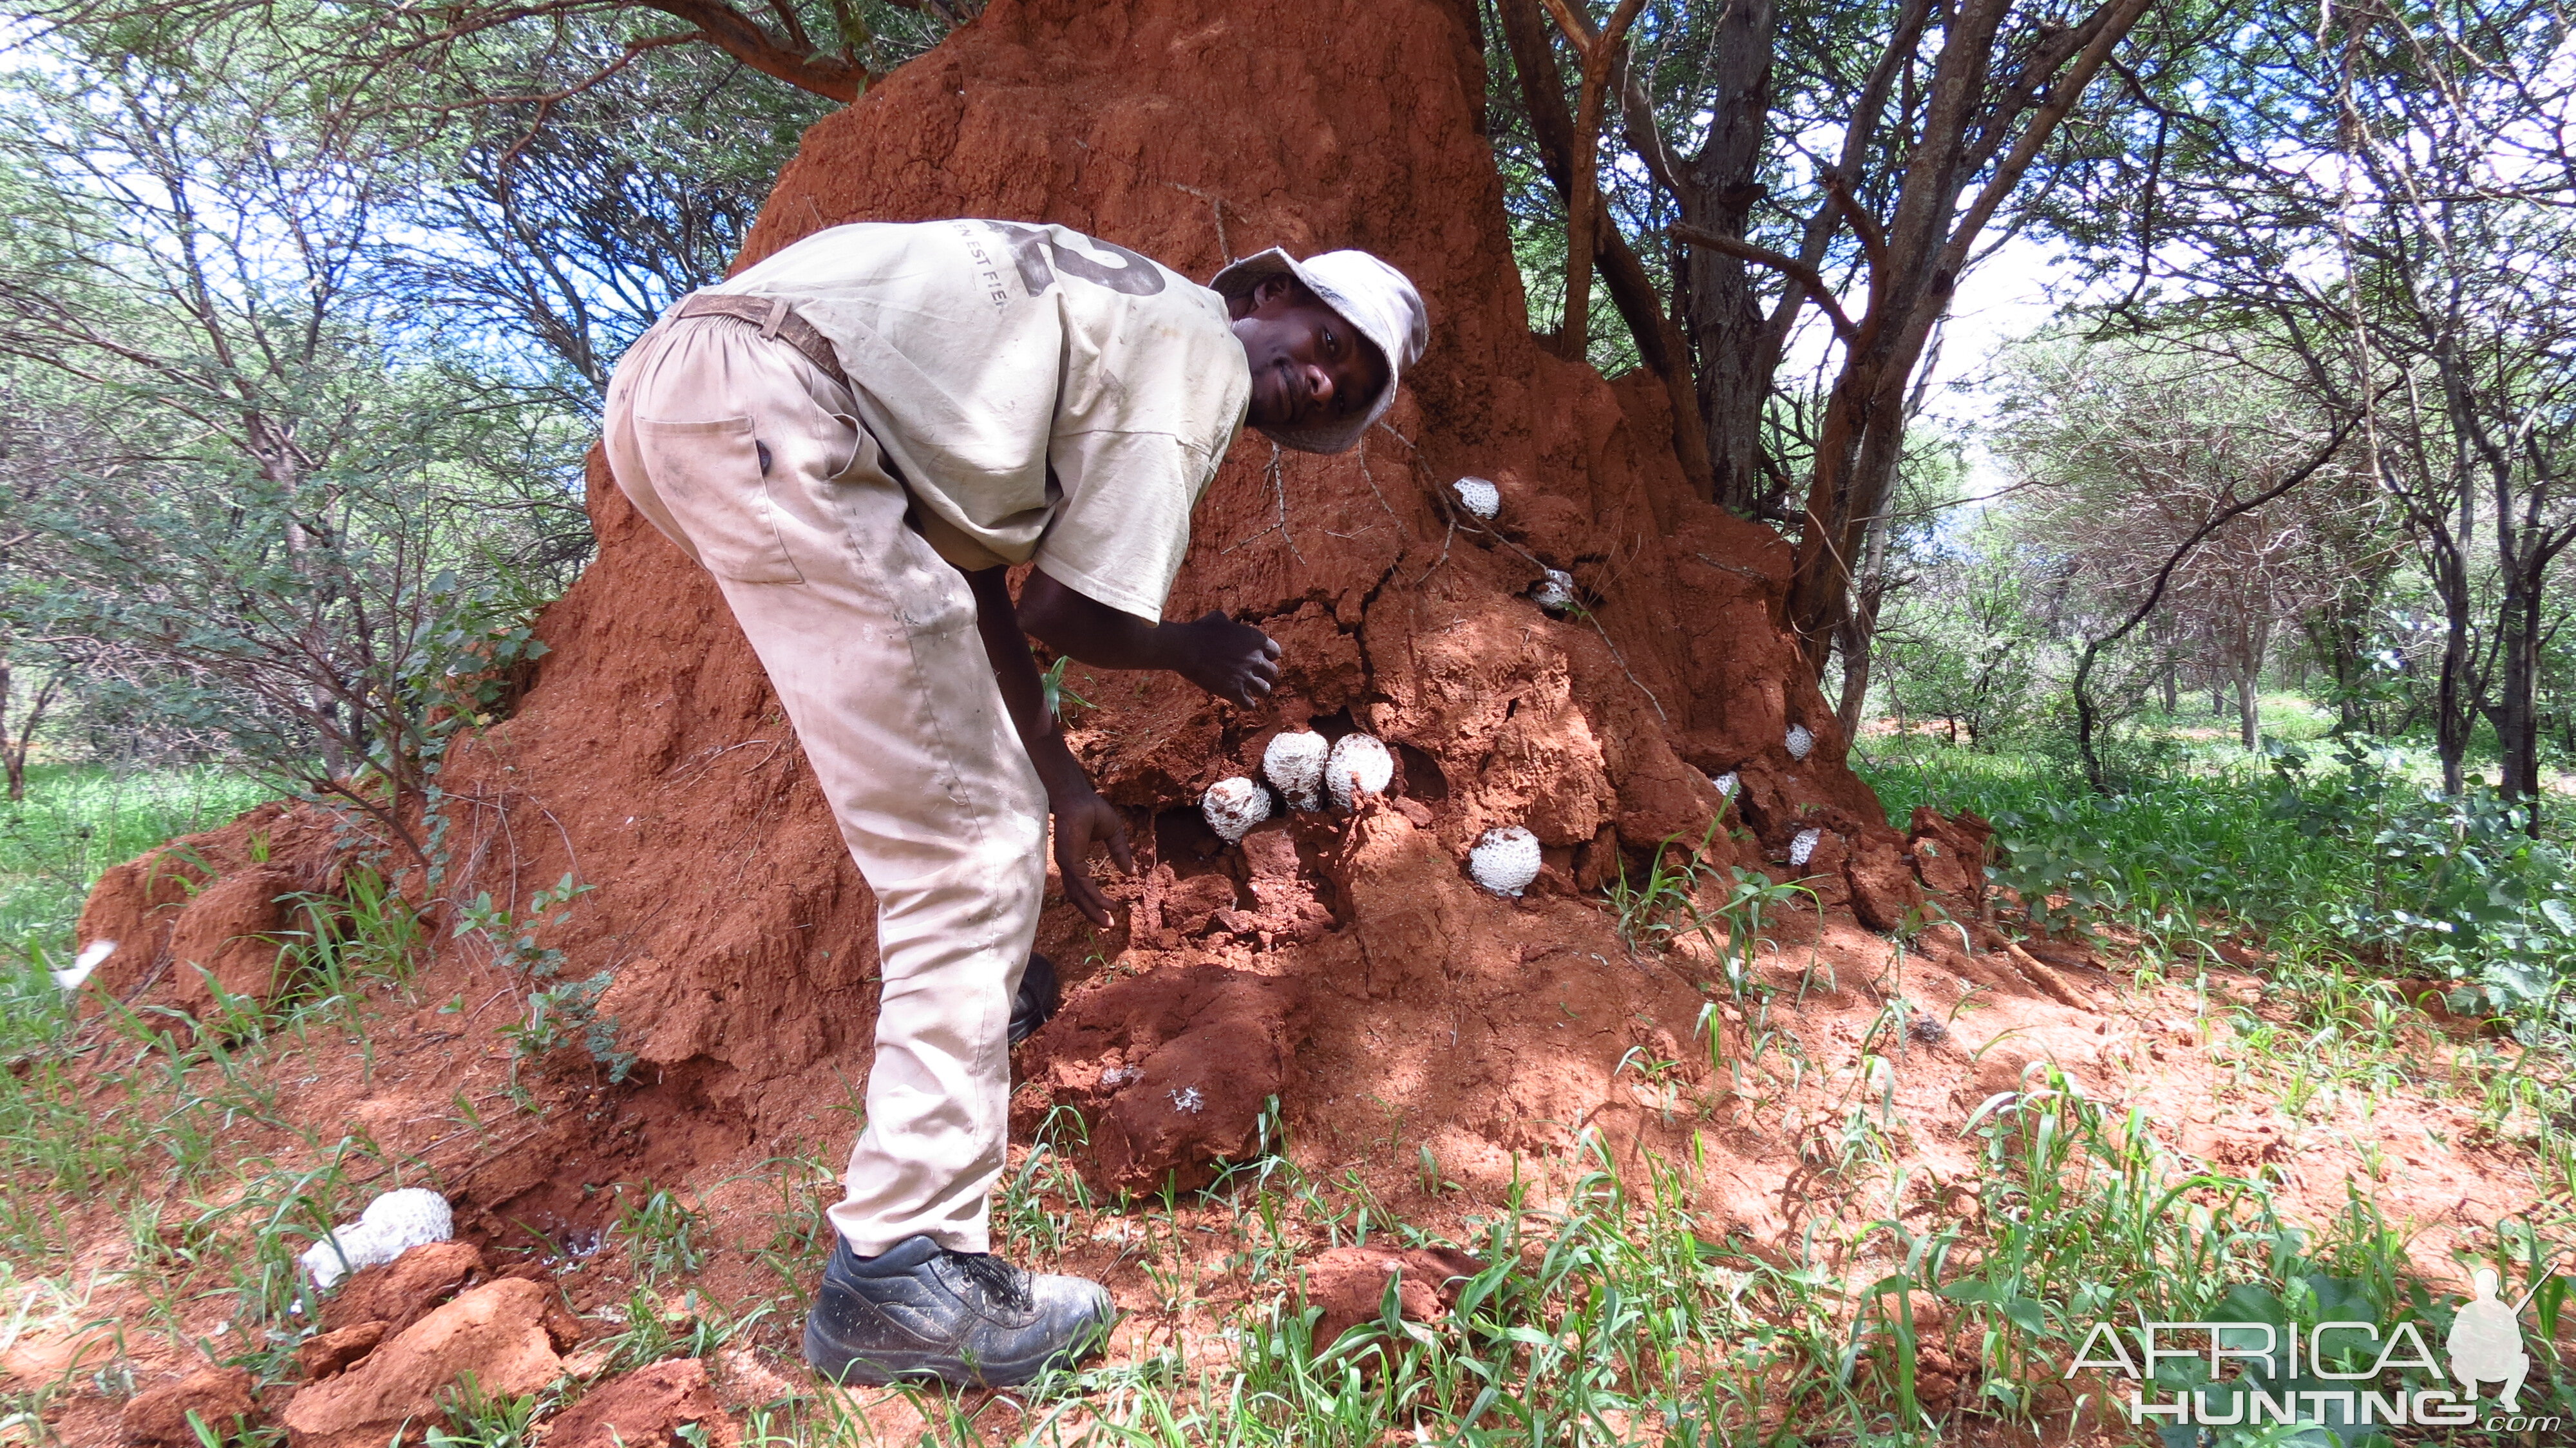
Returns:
(1788, 266)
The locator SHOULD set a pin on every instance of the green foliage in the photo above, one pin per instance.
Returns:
(365, 934)
(513, 939)
(476, 1419)
(566, 1014)
(1052, 687)
(1652, 914)
(651, 1329)
(75, 822)
(1962, 650)
(660, 1232)
(2453, 884)
(2364, 860)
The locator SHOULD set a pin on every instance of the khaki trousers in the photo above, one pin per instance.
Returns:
(746, 455)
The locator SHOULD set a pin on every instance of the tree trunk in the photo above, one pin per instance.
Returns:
(1729, 333)
(2453, 696)
(1860, 631)
(2515, 713)
(2248, 725)
(14, 749)
(2173, 686)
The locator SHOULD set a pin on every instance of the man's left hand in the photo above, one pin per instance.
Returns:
(1082, 819)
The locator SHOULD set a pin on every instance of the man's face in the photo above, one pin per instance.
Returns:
(1308, 365)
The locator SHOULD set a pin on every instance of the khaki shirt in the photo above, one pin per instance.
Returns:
(1045, 395)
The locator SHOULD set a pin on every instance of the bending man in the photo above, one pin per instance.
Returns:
(857, 437)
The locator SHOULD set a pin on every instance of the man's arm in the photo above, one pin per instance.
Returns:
(1082, 817)
(1228, 659)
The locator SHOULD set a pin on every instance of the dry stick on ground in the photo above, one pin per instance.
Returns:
(2087, 714)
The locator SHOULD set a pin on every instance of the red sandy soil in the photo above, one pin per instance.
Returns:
(1341, 963)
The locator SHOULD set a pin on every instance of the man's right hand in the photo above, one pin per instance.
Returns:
(1230, 660)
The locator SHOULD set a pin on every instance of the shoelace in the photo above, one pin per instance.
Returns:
(1001, 1281)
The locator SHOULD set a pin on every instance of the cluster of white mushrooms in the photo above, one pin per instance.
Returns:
(1306, 770)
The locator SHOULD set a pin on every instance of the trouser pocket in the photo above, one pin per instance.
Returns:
(709, 475)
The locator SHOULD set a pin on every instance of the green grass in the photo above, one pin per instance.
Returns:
(1621, 1313)
(78, 819)
(2342, 854)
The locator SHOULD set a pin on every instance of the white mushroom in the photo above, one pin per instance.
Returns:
(1478, 496)
(1725, 783)
(1800, 740)
(1358, 765)
(91, 957)
(1505, 860)
(391, 1225)
(1233, 805)
(1295, 763)
(1555, 592)
(1803, 848)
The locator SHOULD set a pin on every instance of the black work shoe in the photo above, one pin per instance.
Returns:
(962, 1318)
(1038, 997)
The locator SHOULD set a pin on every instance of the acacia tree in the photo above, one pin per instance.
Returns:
(1790, 158)
(279, 522)
(2165, 486)
(569, 226)
(2384, 188)
(366, 57)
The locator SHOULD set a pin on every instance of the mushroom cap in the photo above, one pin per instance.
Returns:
(1294, 762)
(1554, 592)
(1505, 860)
(1478, 496)
(1359, 764)
(392, 1224)
(1233, 805)
(1803, 847)
(1800, 740)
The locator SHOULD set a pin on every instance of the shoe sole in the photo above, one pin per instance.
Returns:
(881, 1369)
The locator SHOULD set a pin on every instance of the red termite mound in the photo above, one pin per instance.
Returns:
(1332, 959)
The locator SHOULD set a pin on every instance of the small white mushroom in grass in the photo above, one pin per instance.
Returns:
(1554, 592)
(1478, 496)
(1801, 739)
(1358, 765)
(1505, 860)
(1234, 805)
(1725, 783)
(92, 956)
(391, 1225)
(1803, 847)
(1295, 764)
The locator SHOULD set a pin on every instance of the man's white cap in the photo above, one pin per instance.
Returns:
(1368, 294)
